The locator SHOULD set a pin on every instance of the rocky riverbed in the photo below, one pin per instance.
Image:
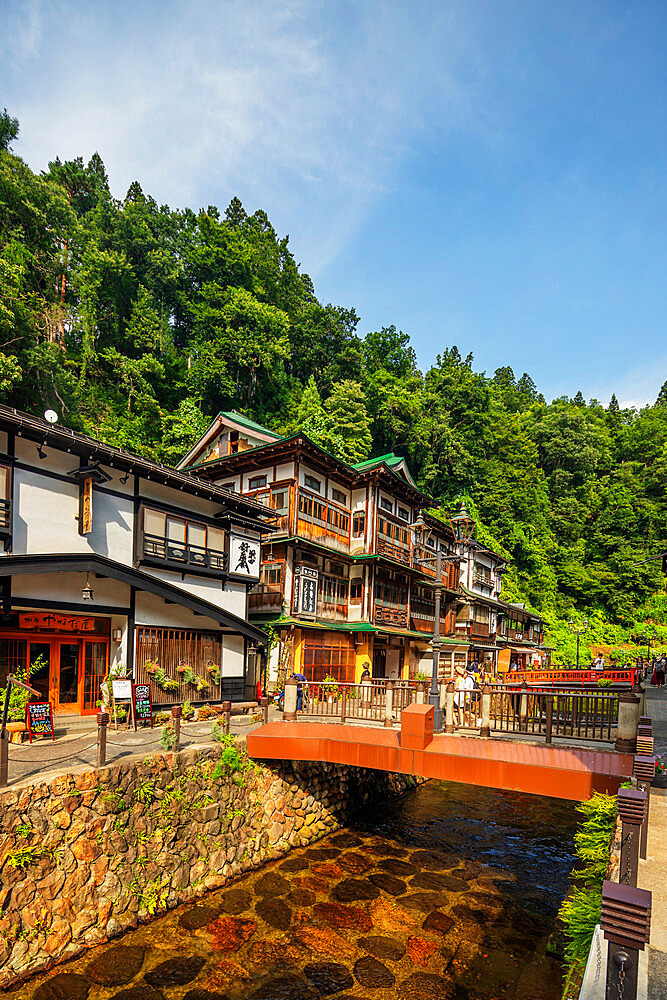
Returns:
(446, 894)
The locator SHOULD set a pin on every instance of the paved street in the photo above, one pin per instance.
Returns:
(45, 759)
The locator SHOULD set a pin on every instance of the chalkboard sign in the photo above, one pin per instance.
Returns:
(39, 719)
(143, 709)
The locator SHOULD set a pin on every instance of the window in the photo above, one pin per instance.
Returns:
(332, 590)
(355, 590)
(358, 525)
(481, 614)
(312, 483)
(256, 482)
(338, 495)
(175, 539)
(272, 574)
(280, 500)
(202, 651)
(386, 504)
(403, 514)
(233, 442)
(329, 653)
(229, 486)
(337, 569)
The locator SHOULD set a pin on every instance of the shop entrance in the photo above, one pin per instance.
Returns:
(379, 661)
(67, 669)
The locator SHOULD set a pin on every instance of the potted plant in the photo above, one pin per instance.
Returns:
(660, 780)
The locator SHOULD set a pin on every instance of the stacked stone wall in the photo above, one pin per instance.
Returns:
(87, 856)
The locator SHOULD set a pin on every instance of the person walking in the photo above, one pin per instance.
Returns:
(366, 672)
(301, 681)
(660, 668)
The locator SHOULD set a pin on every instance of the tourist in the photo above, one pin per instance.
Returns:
(366, 672)
(301, 681)
(660, 668)
(459, 695)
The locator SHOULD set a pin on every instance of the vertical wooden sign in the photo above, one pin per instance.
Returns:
(86, 506)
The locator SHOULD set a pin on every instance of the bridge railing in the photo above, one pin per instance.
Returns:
(572, 675)
(541, 712)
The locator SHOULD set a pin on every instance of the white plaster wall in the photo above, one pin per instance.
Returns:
(66, 587)
(186, 502)
(285, 471)
(151, 610)
(233, 655)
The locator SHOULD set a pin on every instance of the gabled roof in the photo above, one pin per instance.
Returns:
(394, 463)
(91, 562)
(94, 451)
(233, 420)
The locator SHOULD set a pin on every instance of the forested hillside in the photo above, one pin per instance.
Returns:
(137, 322)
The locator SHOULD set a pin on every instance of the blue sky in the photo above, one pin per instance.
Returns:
(486, 174)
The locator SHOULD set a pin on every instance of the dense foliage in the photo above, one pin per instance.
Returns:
(137, 322)
(580, 912)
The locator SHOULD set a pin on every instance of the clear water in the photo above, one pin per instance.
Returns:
(451, 893)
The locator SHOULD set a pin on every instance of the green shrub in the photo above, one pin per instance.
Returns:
(580, 912)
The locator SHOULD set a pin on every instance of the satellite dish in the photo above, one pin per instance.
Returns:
(51, 416)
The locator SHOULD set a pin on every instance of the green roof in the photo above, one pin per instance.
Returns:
(238, 418)
(389, 459)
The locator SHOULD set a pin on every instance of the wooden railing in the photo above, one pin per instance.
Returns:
(166, 550)
(266, 600)
(547, 713)
(572, 675)
(479, 630)
(395, 617)
(398, 553)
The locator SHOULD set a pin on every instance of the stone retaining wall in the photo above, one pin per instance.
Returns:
(84, 857)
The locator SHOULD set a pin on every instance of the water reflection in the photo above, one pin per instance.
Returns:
(450, 893)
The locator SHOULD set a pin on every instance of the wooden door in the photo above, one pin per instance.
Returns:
(65, 662)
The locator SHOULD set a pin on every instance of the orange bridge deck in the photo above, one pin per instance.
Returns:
(557, 771)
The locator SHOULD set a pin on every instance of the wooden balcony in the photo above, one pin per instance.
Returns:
(265, 600)
(398, 553)
(158, 551)
(5, 517)
(479, 630)
(393, 617)
(332, 612)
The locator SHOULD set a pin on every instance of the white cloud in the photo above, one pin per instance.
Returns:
(303, 108)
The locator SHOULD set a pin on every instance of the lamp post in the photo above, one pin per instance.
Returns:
(649, 639)
(578, 632)
(434, 695)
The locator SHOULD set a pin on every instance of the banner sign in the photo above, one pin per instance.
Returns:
(143, 708)
(305, 591)
(39, 719)
(51, 621)
(86, 506)
(244, 557)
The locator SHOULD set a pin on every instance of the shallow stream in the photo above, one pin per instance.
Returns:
(450, 893)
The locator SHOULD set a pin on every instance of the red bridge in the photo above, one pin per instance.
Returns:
(558, 771)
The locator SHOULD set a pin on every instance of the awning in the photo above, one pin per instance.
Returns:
(92, 563)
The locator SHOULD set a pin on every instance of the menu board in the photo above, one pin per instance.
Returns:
(121, 688)
(39, 719)
(143, 709)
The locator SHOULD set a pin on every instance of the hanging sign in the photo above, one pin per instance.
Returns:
(306, 594)
(49, 620)
(86, 506)
(143, 708)
(39, 719)
(244, 556)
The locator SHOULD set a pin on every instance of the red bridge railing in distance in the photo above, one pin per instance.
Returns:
(572, 676)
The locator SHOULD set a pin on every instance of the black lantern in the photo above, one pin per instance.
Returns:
(462, 525)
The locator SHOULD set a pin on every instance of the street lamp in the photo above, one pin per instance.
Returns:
(649, 639)
(578, 632)
(420, 528)
(462, 525)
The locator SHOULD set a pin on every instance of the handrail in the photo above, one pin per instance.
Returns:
(160, 547)
(573, 674)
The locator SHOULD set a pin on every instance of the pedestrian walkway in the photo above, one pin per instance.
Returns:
(653, 871)
(44, 759)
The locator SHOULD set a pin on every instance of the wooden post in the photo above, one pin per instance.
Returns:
(626, 923)
(643, 768)
(4, 759)
(176, 713)
(226, 716)
(419, 694)
(632, 811)
(550, 717)
(102, 723)
(449, 708)
(389, 705)
(343, 705)
(486, 711)
(264, 704)
(289, 703)
(523, 706)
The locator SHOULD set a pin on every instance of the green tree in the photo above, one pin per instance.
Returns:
(348, 418)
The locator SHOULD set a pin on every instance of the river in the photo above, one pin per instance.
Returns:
(449, 893)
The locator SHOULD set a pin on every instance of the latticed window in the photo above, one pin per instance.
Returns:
(329, 653)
